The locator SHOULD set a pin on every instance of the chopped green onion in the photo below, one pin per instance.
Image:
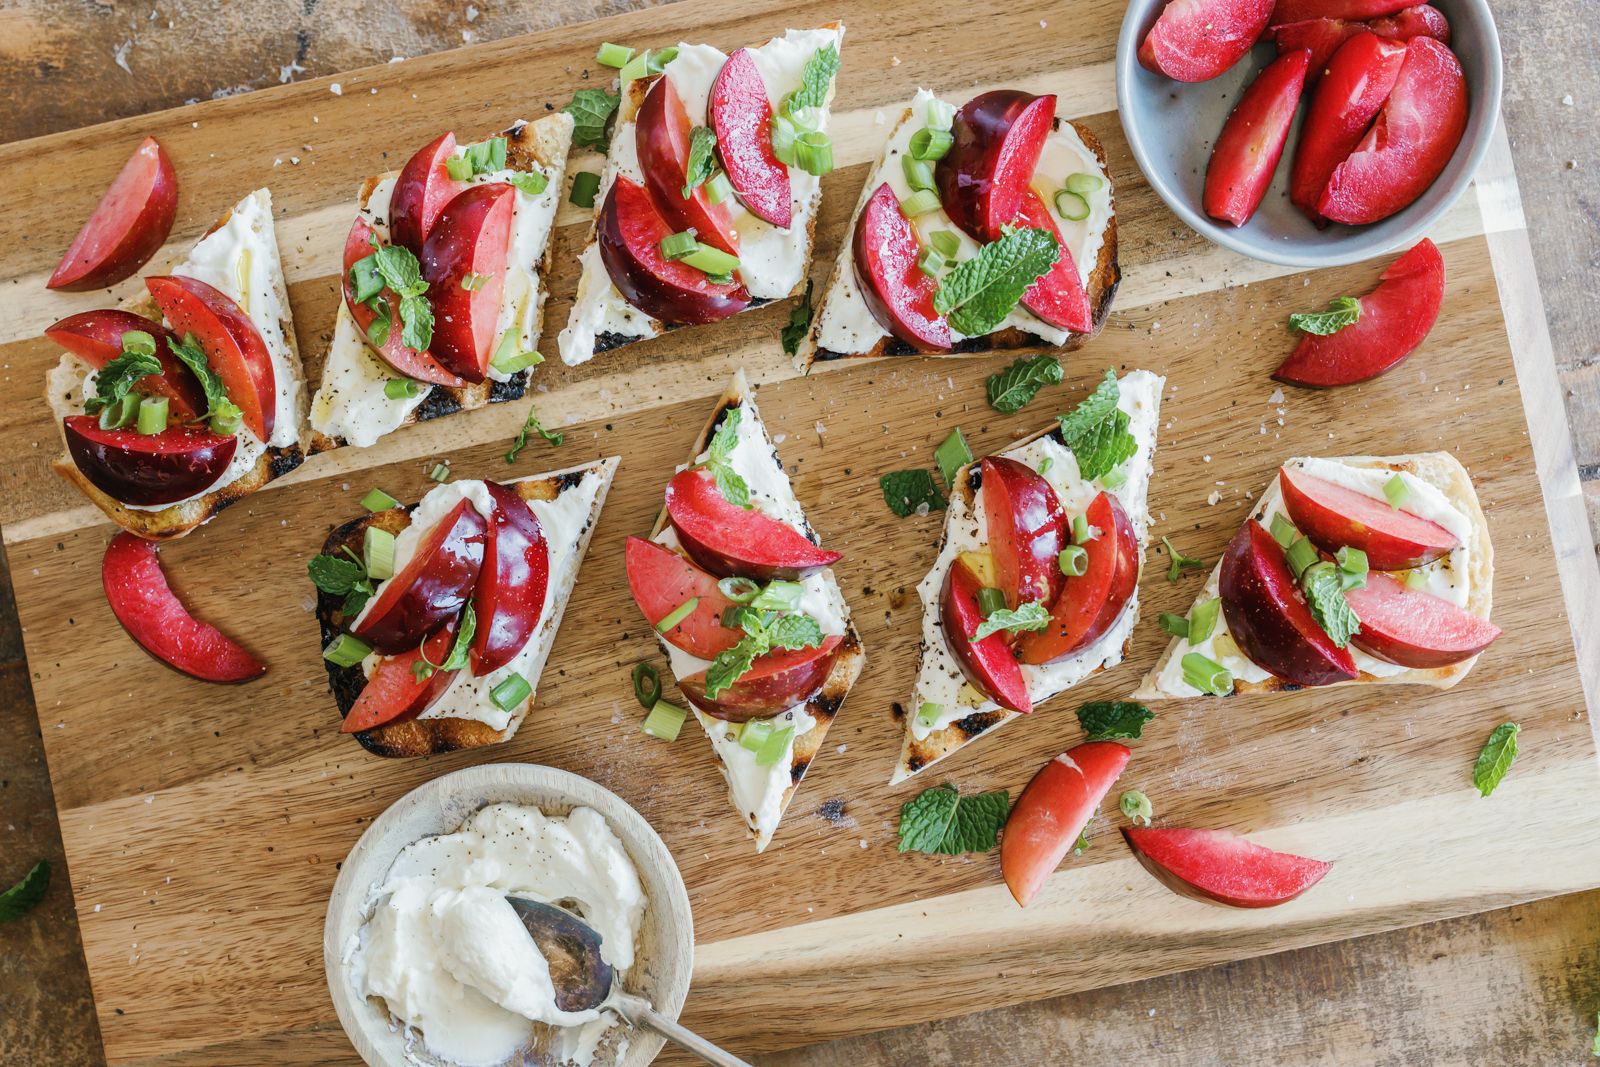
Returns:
(585, 187)
(720, 279)
(919, 174)
(152, 414)
(120, 412)
(1073, 561)
(472, 281)
(813, 152)
(1207, 675)
(1084, 184)
(1416, 579)
(783, 135)
(931, 144)
(805, 119)
(377, 552)
(946, 242)
(1070, 205)
(516, 360)
(1283, 531)
(1352, 567)
(365, 281)
(678, 245)
(1397, 491)
(439, 473)
(509, 694)
(1176, 625)
(755, 734)
(1136, 806)
(739, 590)
(1301, 555)
(646, 684)
(719, 189)
(779, 596)
(1080, 528)
(951, 455)
(1114, 477)
(228, 420)
(637, 66)
(346, 651)
(531, 182)
(401, 389)
(940, 115)
(930, 262)
(613, 55)
(664, 721)
(1044, 465)
(677, 615)
(139, 342)
(919, 203)
(990, 600)
(712, 260)
(378, 500)
(459, 168)
(658, 58)
(1203, 619)
(775, 747)
(928, 714)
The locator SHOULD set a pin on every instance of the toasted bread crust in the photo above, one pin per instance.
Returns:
(545, 142)
(1101, 288)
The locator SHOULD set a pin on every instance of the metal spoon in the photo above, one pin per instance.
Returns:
(583, 980)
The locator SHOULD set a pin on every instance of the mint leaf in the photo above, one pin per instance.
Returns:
(1495, 759)
(719, 460)
(794, 632)
(459, 649)
(733, 663)
(906, 492)
(731, 484)
(764, 631)
(1013, 388)
(941, 821)
(702, 159)
(26, 894)
(416, 313)
(1030, 616)
(591, 111)
(1095, 409)
(1114, 720)
(1324, 590)
(980, 292)
(799, 323)
(399, 269)
(1345, 311)
(552, 437)
(335, 576)
(1097, 431)
(815, 79)
(1180, 562)
(116, 378)
(532, 182)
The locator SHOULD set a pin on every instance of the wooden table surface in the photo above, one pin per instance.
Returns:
(1520, 986)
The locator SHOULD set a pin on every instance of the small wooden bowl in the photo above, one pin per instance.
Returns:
(665, 955)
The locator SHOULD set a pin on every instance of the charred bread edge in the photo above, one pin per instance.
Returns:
(422, 737)
(846, 668)
(1103, 283)
(445, 400)
(1445, 473)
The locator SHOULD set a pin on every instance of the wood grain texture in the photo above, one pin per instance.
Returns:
(1140, 319)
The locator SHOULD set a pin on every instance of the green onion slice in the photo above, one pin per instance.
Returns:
(940, 115)
(719, 189)
(120, 413)
(783, 133)
(779, 596)
(1080, 528)
(664, 721)
(227, 420)
(517, 360)
(951, 455)
(440, 473)
(919, 202)
(1084, 184)
(1070, 205)
(377, 551)
(1396, 490)
(931, 144)
(1416, 579)
(613, 55)
(401, 389)
(378, 500)
(1137, 807)
(677, 615)
(930, 262)
(805, 119)
(509, 694)
(459, 168)
(711, 260)
(1114, 478)
(585, 187)
(928, 714)
(658, 58)
(755, 734)
(346, 651)
(813, 153)
(990, 600)
(637, 66)
(1352, 567)
(472, 281)
(1203, 619)
(739, 590)
(1301, 555)
(678, 245)
(140, 342)
(775, 747)
(1176, 625)
(919, 174)
(1073, 561)
(152, 416)
(646, 684)
(946, 241)
(1283, 531)
(1206, 675)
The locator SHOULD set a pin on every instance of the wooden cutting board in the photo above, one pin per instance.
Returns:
(204, 825)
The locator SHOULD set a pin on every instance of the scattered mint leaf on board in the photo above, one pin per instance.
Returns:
(117, 378)
(1324, 591)
(1180, 562)
(799, 323)
(941, 821)
(1030, 616)
(26, 894)
(702, 159)
(980, 292)
(815, 79)
(906, 492)
(1096, 431)
(553, 437)
(1495, 759)
(1114, 720)
(591, 111)
(1345, 311)
(1013, 388)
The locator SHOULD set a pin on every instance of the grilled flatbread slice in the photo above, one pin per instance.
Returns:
(844, 327)
(965, 714)
(568, 504)
(1441, 490)
(761, 794)
(351, 407)
(239, 256)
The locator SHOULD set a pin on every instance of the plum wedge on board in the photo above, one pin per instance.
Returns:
(1222, 868)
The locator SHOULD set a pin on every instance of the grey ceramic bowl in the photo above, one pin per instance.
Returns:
(1171, 127)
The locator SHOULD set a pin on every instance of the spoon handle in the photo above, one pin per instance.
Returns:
(640, 1012)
